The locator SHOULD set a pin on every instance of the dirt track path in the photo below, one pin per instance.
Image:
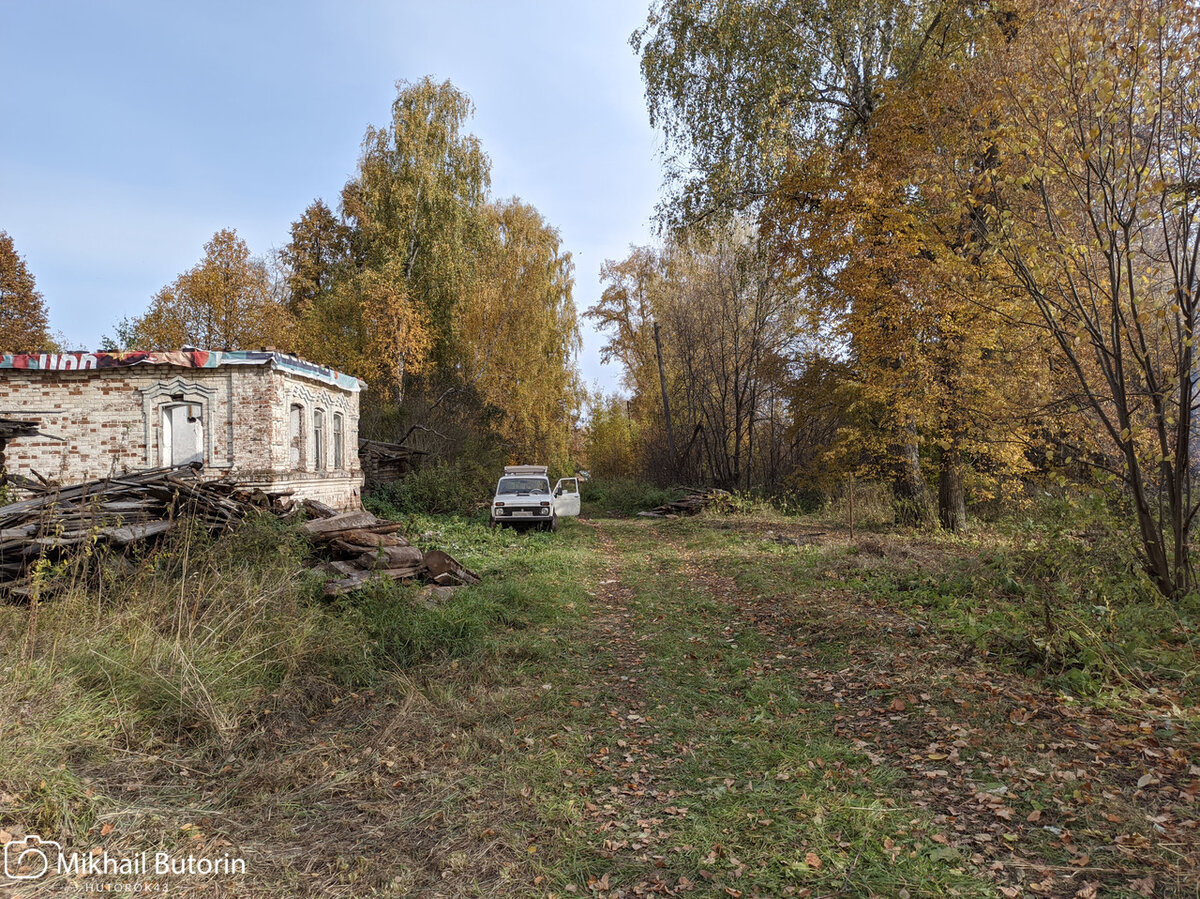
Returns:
(712, 711)
(1010, 782)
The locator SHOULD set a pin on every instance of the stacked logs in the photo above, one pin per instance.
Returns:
(362, 548)
(117, 511)
(693, 501)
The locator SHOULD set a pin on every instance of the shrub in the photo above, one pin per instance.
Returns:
(626, 496)
(456, 487)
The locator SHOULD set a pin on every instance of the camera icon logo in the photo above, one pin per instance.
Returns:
(29, 858)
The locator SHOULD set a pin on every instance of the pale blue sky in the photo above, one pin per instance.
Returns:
(131, 131)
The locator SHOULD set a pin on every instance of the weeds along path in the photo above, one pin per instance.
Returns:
(697, 707)
(1041, 794)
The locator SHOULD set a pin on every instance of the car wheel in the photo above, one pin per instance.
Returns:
(553, 526)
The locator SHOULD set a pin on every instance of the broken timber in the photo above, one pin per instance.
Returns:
(118, 511)
(690, 503)
(364, 549)
(129, 509)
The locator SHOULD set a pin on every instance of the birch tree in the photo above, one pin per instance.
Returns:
(225, 301)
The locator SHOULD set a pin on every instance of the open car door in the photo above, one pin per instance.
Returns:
(566, 498)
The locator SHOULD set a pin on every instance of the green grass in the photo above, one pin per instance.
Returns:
(528, 579)
(614, 705)
(183, 649)
(732, 781)
(624, 497)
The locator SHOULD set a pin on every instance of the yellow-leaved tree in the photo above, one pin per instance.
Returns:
(224, 302)
(516, 333)
(612, 438)
(1095, 204)
(455, 309)
(24, 324)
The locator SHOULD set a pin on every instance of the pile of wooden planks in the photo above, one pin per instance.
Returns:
(690, 503)
(116, 511)
(129, 509)
(363, 548)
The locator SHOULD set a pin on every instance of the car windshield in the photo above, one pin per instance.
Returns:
(523, 485)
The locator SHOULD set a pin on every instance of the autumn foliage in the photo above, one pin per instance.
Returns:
(225, 301)
(454, 307)
(24, 324)
(986, 219)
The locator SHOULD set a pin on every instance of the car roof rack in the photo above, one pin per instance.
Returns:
(526, 470)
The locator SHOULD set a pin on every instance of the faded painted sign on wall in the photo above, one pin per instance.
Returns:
(179, 358)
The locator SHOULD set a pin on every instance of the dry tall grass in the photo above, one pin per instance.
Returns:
(180, 648)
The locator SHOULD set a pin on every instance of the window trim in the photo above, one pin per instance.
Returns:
(297, 441)
(339, 441)
(320, 456)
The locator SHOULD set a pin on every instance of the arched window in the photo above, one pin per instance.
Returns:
(318, 439)
(339, 438)
(296, 434)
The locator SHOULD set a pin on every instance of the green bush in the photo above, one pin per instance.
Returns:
(443, 487)
(625, 496)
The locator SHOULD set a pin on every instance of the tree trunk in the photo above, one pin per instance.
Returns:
(662, 379)
(952, 496)
(912, 495)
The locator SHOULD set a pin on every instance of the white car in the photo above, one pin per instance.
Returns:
(524, 498)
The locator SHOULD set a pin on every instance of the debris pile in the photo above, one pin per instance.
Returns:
(383, 462)
(117, 511)
(363, 548)
(130, 509)
(690, 503)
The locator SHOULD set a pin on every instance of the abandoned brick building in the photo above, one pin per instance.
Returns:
(263, 419)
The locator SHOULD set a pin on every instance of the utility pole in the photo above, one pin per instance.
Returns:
(662, 380)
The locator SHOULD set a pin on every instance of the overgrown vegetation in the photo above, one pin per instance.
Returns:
(178, 648)
(181, 651)
(700, 702)
(625, 496)
(456, 487)
(950, 247)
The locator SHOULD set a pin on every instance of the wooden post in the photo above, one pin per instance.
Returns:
(850, 483)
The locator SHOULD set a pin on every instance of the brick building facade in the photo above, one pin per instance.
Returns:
(264, 419)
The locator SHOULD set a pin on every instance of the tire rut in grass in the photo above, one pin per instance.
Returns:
(1037, 792)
